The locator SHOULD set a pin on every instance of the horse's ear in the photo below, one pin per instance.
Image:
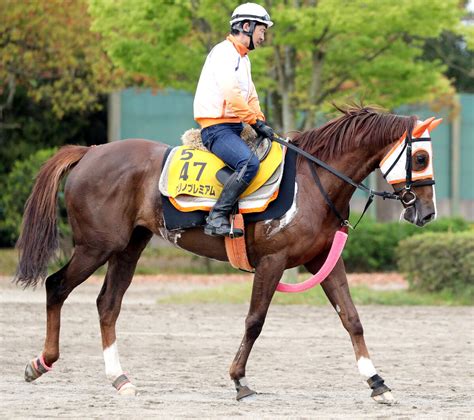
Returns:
(420, 129)
(434, 124)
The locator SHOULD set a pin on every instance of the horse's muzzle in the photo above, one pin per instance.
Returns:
(417, 216)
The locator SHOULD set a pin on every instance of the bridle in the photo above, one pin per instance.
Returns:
(405, 194)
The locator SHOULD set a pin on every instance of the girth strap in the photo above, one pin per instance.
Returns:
(236, 248)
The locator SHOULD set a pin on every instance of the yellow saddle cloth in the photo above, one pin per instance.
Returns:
(190, 172)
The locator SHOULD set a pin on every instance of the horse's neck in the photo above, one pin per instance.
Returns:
(357, 165)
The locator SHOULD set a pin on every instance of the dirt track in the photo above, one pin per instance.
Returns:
(302, 365)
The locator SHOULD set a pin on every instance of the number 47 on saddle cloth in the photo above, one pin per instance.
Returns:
(193, 180)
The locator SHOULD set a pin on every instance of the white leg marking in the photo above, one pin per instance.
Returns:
(366, 367)
(112, 362)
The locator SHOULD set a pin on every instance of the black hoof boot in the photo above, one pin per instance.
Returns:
(243, 391)
(381, 393)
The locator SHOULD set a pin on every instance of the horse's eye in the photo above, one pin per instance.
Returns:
(421, 159)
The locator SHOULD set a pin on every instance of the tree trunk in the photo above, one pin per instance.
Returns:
(11, 81)
(285, 71)
(315, 88)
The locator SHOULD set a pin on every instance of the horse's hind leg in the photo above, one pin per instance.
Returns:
(118, 278)
(337, 291)
(267, 275)
(59, 285)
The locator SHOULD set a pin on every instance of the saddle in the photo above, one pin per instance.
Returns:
(192, 178)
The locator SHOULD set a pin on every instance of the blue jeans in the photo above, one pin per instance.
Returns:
(224, 141)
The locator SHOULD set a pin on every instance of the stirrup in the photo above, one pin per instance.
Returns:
(223, 230)
(234, 233)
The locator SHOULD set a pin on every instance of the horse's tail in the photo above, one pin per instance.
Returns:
(39, 234)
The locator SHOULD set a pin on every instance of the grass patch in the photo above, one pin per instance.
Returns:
(161, 260)
(171, 260)
(362, 295)
(8, 261)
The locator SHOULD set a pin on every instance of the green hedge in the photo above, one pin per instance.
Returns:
(438, 261)
(16, 190)
(372, 246)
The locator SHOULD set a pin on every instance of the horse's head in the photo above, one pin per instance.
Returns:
(408, 167)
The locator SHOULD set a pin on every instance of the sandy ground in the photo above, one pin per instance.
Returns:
(178, 355)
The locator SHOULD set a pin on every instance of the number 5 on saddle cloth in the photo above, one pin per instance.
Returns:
(192, 180)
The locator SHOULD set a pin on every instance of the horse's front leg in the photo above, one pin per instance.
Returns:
(267, 275)
(337, 291)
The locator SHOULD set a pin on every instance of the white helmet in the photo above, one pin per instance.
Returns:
(251, 11)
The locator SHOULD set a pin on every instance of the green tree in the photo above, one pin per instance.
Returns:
(47, 49)
(34, 127)
(54, 76)
(16, 190)
(455, 49)
(318, 51)
(165, 39)
(368, 50)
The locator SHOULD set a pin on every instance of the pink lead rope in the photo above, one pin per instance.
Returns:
(335, 252)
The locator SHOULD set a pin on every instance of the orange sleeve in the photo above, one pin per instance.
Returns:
(254, 104)
(239, 105)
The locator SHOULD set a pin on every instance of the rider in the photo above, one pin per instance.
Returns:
(225, 99)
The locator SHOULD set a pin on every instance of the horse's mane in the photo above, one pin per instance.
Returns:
(358, 127)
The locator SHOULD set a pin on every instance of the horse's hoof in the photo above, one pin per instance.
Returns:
(128, 389)
(35, 368)
(385, 398)
(245, 394)
(31, 373)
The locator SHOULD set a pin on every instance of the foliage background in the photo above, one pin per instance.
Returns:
(372, 247)
(55, 72)
(439, 261)
(317, 52)
(54, 80)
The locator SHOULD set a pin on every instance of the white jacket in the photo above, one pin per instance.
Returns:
(225, 91)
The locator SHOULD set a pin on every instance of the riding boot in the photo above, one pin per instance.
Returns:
(217, 223)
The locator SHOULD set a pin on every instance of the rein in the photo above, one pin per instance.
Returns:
(345, 178)
(405, 194)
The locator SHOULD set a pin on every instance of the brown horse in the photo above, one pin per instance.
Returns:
(114, 208)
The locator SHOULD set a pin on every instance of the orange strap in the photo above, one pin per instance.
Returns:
(236, 249)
